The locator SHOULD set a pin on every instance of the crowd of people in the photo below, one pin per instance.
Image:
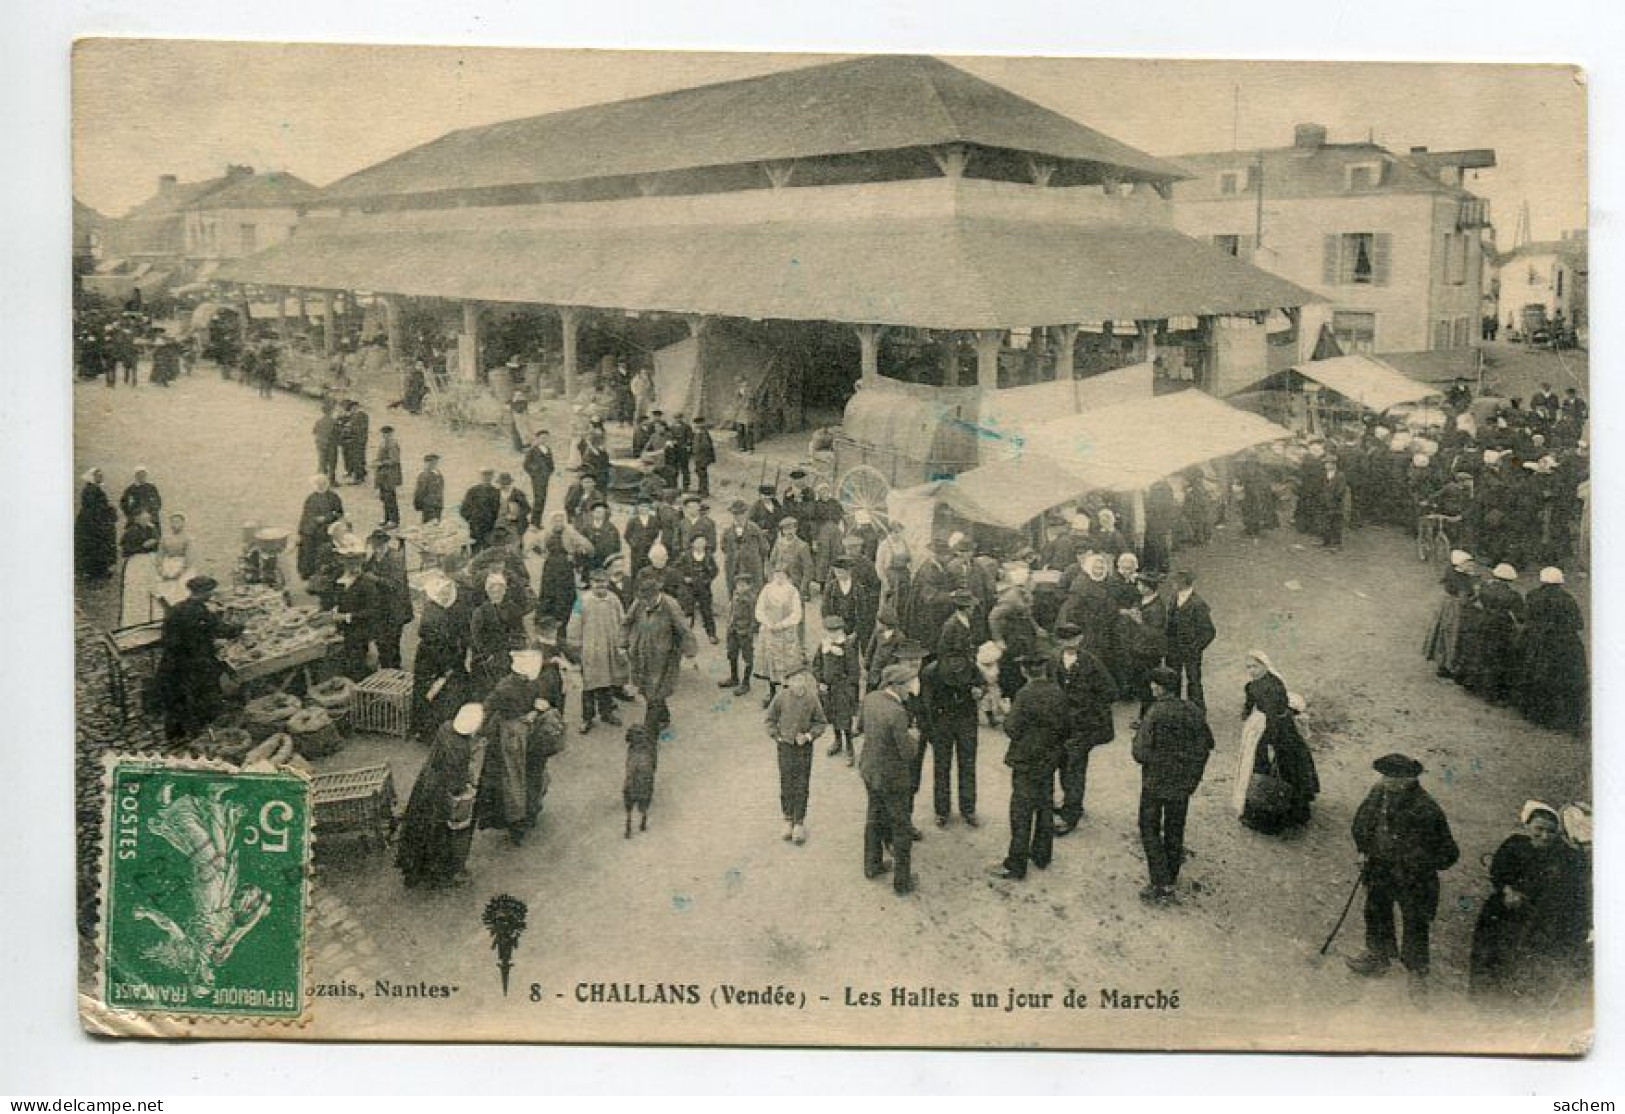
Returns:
(895, 646)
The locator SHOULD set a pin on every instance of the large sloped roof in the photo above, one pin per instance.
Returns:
(1322, 171)
(938, 272)
(273, 189)
(877, 103)
(170, 201)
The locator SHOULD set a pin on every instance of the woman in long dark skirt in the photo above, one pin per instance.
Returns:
(1555, 683)
(1443, 646)
(1531, 931)
(438, 828)
(1495, 666)
(440, 659)
(95, 529)
(556, 590)
(1272, 744)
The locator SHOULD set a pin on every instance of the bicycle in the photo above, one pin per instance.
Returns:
(1431, 537)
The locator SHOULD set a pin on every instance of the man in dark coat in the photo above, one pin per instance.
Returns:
(353, 426)
(481, 507)
(744, 547)
(141, 496)
(188, 677)
(322, 508)
(641, 532)
(928, 605)
(1334, 490)
(954, 700)
(1190, 633)
(539, 466)
(1037, 726)
(767, 511)
(680, 449)
(326, 433)
(387, 475)
(387, 564)
(1404, 841)
(1089, 690)
(429, 494)
(889, 747)
(704, 455)
(1172, 747)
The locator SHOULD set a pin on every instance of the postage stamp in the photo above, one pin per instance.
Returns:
(206, 890)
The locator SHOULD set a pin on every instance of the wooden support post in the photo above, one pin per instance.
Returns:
(869, 344)
(779, 172)
(1041, 170)
(1066, 349)
(569, 325)
(329, 332)
(468, 348)
(950, 358)
(989, 342)
(1137, 511)
(281, 295)
(1148, 340)
(951, 159)
(392, 326)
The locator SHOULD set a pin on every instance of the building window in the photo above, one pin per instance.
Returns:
(1232, 182)
(1441, 335)
(1355, 332)
(1365, 175)
(1357, 259)
(1462, 334)
(1229, 244)
(246, 239)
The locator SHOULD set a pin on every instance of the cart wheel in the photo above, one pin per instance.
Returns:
(863, 488)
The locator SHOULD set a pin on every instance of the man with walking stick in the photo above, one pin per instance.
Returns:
(1404, 841)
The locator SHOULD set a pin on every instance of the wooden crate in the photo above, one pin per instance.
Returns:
(354, 802)
(382, 704)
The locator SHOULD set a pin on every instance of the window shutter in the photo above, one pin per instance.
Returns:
(1381, 248)
(1329, 262)
(1246, 246)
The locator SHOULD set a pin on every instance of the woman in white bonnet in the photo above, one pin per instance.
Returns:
(1273, 748)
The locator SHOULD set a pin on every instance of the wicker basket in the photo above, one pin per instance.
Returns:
(335, 696)
(382, 704)
(314, 735)
(264, 716)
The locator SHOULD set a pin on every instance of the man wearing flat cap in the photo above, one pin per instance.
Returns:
(189, 671)
(792, 554)
(886, 764)
(1037, 726)
(481, 507)
(1404, 841)
(1171, 745)
(951, 699)
(744, 547)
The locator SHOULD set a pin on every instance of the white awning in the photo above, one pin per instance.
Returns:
(1367, 381)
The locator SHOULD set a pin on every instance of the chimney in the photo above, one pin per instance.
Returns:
(1309, 136)
(235, 172)
(167, 182)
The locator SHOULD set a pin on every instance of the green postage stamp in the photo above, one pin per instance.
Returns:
(205, 891)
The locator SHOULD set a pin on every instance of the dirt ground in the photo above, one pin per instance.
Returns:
(711, 894)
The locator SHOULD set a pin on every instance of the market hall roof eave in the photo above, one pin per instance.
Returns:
(940, 273)
(868, 104)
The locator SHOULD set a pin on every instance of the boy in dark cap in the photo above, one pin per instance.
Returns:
(387, 475)
(741, 633)
(1404, 841)
(429, 494)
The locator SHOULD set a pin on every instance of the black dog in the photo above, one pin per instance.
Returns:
(642, 757)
